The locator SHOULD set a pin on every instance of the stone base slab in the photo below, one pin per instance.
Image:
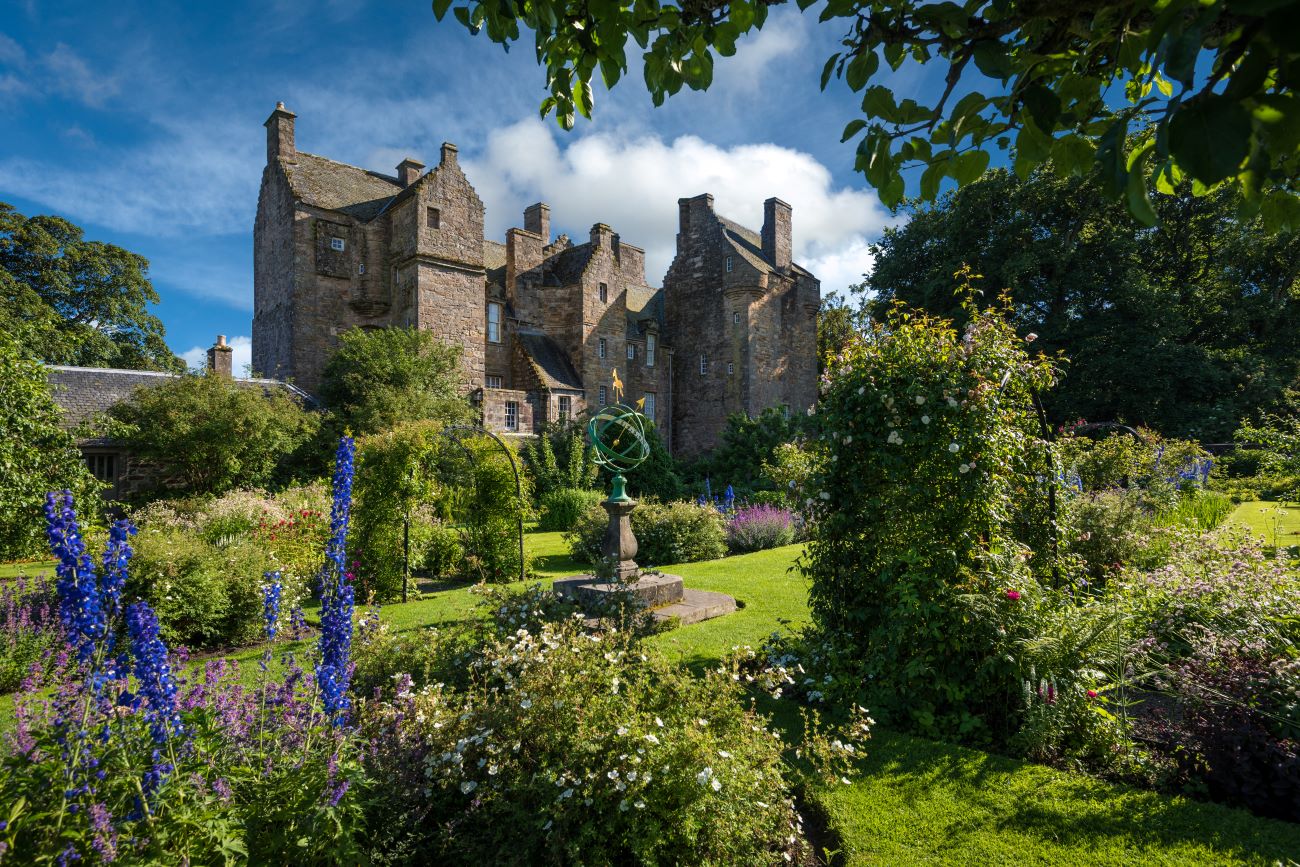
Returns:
(695, 606)
(664, 595)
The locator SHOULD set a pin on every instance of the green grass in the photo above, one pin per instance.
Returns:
(1277, 523)
(13, 570)
(916, 801)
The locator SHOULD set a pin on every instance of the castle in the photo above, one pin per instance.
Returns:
(542, 323)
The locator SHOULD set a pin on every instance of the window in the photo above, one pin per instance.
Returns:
(103, 467)
(731, 369)
(494, 322)
(735, 318)
(651, 342)
(631, 352)
(566, 407)
(361, 267)
(601, 347)
(493, 381)
(650, 405)
(512, 415)
(433, 218)
(785, 410)
(337, 245)
(604, 293)
(726, 263)
(603, 393)
(704, 365)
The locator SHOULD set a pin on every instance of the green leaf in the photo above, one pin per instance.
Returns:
(991, 58)
(828, 70)
(724, 38)
(1043, 106)
(1139, 203)
(878, 101)
(853, 128)
(861, 68)
(930, 180)
(1278, 119)
(969, 167)
(1072, 155)
(891, 194)
(1280, 212)
(440, 8)
(1180, 57)
(895, 52)
(741, 14)
(462, 15)
(1210, 137)
(582, 98)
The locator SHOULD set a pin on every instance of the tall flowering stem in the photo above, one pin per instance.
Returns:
(153, 670)
(333, 672)
(271, 591)
(80, 606)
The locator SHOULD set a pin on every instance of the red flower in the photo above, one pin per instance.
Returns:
(1013, 595)
(1092, 693)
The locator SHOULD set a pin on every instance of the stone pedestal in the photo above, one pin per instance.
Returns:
(619, 546)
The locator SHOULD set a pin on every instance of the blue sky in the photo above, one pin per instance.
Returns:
(143, 124)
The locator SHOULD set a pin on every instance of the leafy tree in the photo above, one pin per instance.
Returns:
(1043, 78)
(559, 457)
(837, 322)
(36, 454)
(208, 433)
(381, 378)
(745, 446)
(1187, 327)
(73, 301)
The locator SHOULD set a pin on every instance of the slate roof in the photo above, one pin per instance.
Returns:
(336, 186)
(84, 392)
(550, 362)
(749, 244)
(645, 304)
(494, 261)
(566, 269)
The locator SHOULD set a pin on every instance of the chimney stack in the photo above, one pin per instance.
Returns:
(448, 154)
(686, 206)
(776, 233)
(537, 219)
(408, 171)
(220, 358)
(279, 135)
(602, 235)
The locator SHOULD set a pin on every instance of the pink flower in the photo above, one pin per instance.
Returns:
(1013, 595)
(1092, 693)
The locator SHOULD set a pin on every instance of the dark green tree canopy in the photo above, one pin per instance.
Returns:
(208, 433)
(1050, 78)
(73, 301)
(1188, 327)
(380, 378)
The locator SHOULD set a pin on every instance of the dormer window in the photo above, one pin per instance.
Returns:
(604, 293)
(433, 218)
(727, 263)
(338, 245)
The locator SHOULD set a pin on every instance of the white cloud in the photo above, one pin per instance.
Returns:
(197, 357)
(70, 75)
(633, 184)
(11, 53)
(744, 72)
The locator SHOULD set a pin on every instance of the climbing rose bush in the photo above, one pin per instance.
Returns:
(930, 447)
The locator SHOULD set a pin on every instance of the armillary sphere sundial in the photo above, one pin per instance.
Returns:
(619, 436)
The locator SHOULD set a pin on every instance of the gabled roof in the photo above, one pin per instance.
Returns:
(749, 244)
(550, 362)
(84, 392)
(645, 305)
(336, 186)
(494, 262)
(566, 269)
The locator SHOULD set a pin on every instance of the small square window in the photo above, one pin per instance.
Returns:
(604, 293)
(512, 415)
(601, 347)
(604, 395)
(493, 381)
(565, 407)
(493, 322)
(731, 369)
(704, 365)
(727, 263)
(337, 245)
(631, 352)
(103, 467)
(433, 218)
(735, 318)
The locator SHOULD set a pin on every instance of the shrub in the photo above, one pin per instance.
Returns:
(1111, 529)
(754, 528)
(36, 454)
(208, 433)
(931, 443)
(32, 638)
(666, 533)
(562, 508)
(559, 457)
(557, 746)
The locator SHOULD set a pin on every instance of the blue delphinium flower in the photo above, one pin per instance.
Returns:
(728, 499)
(271, 591)
(334, 669)
(80, 607)
(153, 671)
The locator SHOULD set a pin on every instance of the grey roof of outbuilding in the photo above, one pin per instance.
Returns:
(84, 392)
(337, 186)
(552, 364)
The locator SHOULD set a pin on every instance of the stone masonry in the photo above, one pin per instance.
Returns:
(543, 324)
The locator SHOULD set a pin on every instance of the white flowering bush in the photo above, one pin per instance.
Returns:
(555, 745)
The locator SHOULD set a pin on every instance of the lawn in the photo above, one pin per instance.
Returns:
(13, 570)
(1277, 523)
(916, 801)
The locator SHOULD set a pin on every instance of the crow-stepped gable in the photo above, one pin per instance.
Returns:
(542, 323)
